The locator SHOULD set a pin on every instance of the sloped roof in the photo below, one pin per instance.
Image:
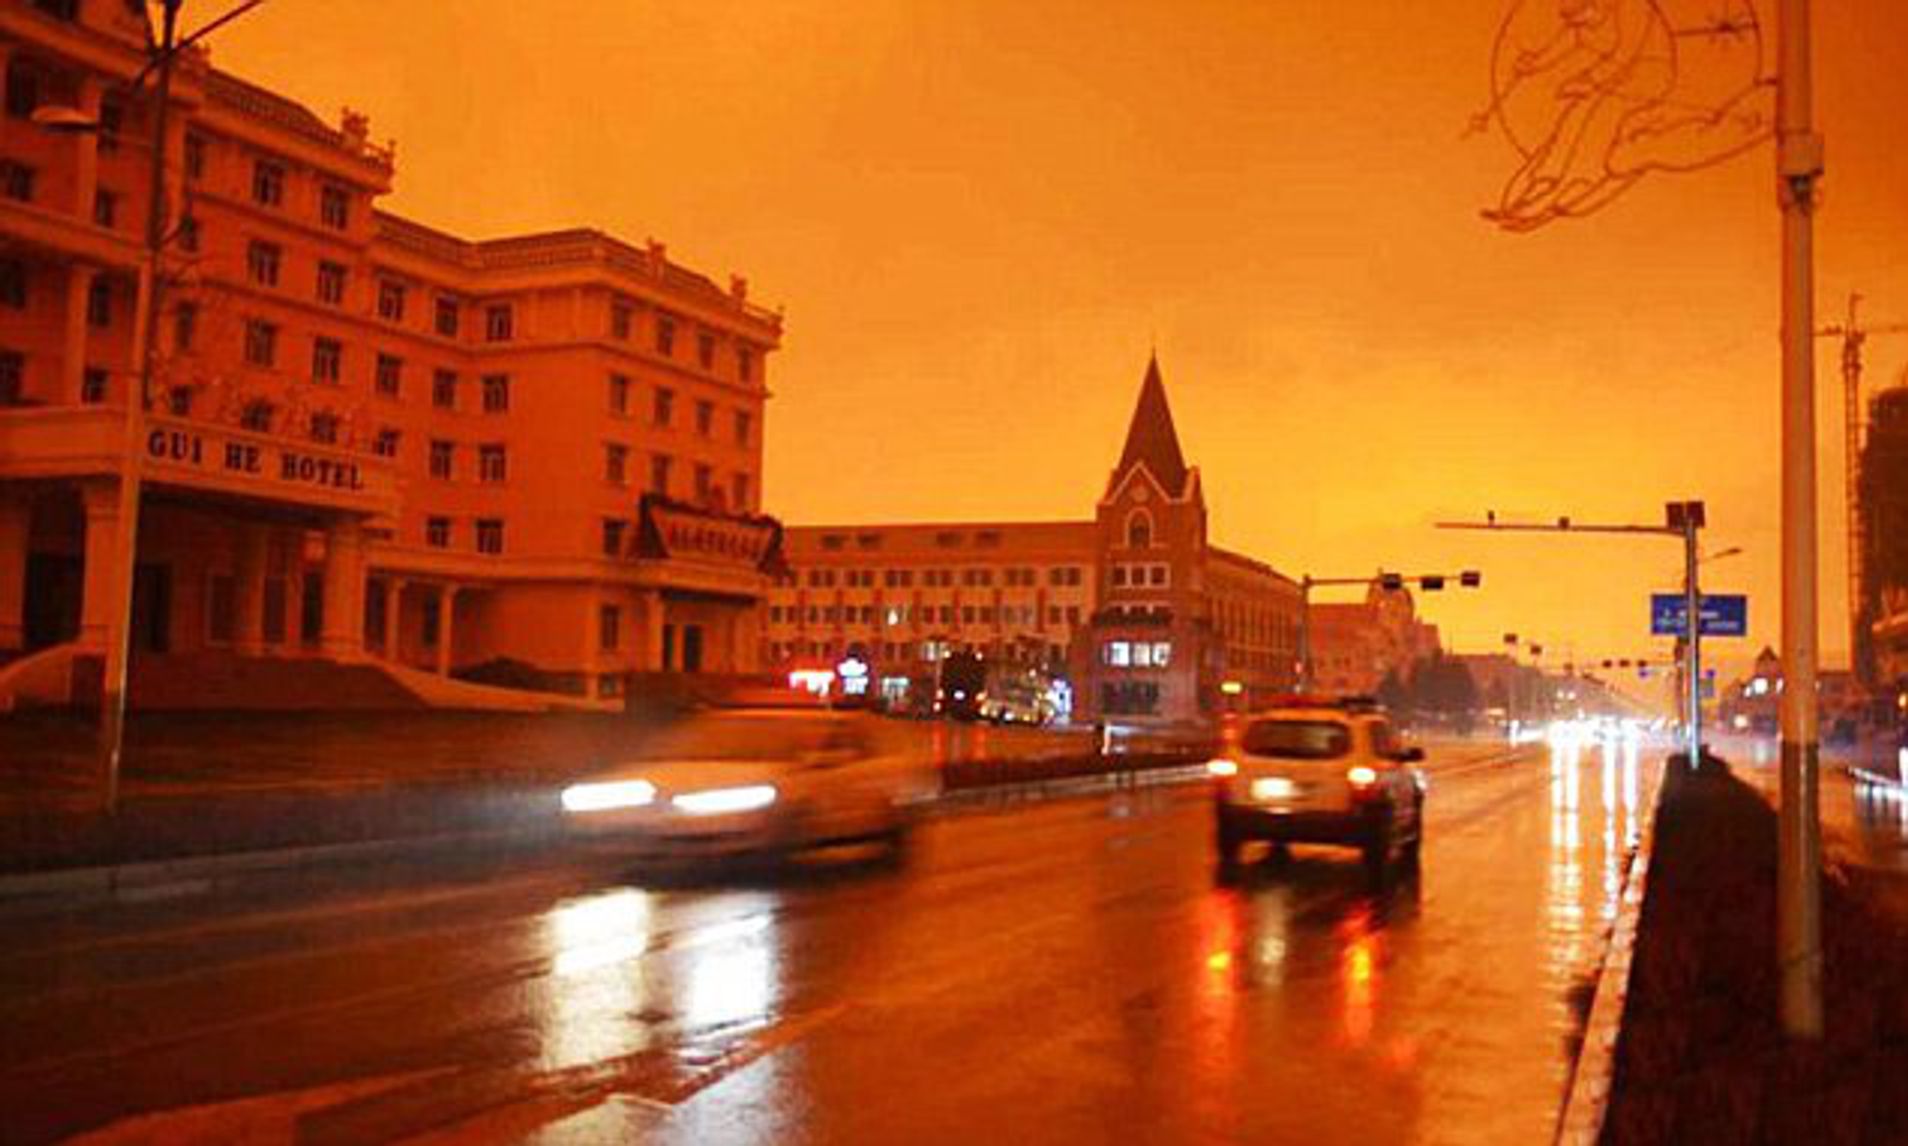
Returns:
(1150, 437)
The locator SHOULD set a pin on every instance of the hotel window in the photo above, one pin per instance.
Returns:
(446, 316)
(16, 179)
(93, 386)
(987, 614)
(499, 323)
(609, 624)
(442, 453)
(744, 425)
(444, 389)
(492, 462)
(327, 360)
(331, 283)
(705, 418)
(23, 90)
(261, 342)
(1118, 653)
(188, 238)
(437, 532)
(195, 157)
(1158, 576)
(390, 375)
(705, 351)
(663, 406)
(490, 535)
(112, 119)
(1053, 614)
(615, 531)
(615, 463)
(704, 481)
(1119, 576)
(179, 401)
(1139, 530)
(106, 209)
(324, 428)
(257, 416)
(261, 262)
(496, 393)
(739, 493)
(666, 337)
(967, 614)
(385, 445)
(744, 364)
(99, 303)
(13, 284)
(268, 183)
(620, 319)
(334, 208)
(659, 475)
(391, 301)
(619, 393)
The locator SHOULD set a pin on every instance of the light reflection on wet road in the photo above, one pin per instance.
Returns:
(1057, 972)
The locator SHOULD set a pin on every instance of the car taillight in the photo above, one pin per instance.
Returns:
(1361, 776)
(1222, 768)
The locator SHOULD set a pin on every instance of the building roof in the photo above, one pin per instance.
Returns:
(1150, 437)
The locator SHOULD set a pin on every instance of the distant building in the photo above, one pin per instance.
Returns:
(1355, 645)
(1883, 613)
(368, 440)
(1145, 619)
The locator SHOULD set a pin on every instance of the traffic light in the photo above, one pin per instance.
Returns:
(1391, 582)
(1431, 582)
(1510, 638)
(1470, 578)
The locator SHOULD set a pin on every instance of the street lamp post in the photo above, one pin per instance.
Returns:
(163, 53)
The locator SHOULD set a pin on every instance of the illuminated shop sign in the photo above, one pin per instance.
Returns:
(250, 459)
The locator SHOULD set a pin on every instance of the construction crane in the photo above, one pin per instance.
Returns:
(1853, 334)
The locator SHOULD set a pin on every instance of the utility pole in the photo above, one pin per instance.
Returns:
(1799, 164)
(1854, 335)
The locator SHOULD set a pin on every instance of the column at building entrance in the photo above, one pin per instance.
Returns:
(341, 636)
(101, 502)
(248, 620)
(16, 519)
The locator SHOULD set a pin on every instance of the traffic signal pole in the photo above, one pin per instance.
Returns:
(1693, 610)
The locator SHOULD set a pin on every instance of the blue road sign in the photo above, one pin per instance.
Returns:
(1724, 615)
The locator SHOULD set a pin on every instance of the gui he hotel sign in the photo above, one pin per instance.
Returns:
(200, 455)
(679, 531)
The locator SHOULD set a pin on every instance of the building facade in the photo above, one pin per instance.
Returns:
(364, 438)
(1356, 645)
(1144, 619)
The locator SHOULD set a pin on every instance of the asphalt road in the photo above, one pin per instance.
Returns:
(1057, 972)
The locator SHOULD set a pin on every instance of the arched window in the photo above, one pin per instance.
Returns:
(1139, 530)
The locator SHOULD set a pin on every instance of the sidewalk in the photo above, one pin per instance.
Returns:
(1701, 1057)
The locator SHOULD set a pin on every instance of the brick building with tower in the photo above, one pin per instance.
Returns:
(1146, 620)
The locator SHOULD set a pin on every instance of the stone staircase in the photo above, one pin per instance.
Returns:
(225, 680)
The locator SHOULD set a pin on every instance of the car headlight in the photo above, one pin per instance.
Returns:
(716, 801)
(604, 796)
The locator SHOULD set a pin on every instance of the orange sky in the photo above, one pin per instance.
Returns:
(979, 215)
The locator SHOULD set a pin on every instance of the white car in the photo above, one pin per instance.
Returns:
(765, 780)
(1319, 774)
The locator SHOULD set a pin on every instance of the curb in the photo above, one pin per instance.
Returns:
(1588, 1100)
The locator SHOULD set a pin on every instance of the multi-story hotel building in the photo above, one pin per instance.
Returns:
(364, 439)
(1146, 619)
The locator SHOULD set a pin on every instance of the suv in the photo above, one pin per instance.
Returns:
(1319, 773)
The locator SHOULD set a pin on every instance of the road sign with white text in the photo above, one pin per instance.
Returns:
(1724, 615)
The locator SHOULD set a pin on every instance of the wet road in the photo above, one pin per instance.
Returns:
(1059, 972)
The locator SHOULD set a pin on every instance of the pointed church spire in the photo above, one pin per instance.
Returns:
(1151, 439)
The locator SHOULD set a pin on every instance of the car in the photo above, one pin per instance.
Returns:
(766, 781)
(1315, 772)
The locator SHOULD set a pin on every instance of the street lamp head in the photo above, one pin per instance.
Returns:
(60, 120)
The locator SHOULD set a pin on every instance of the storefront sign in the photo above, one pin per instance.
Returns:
(698, 535)
(248, 459)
